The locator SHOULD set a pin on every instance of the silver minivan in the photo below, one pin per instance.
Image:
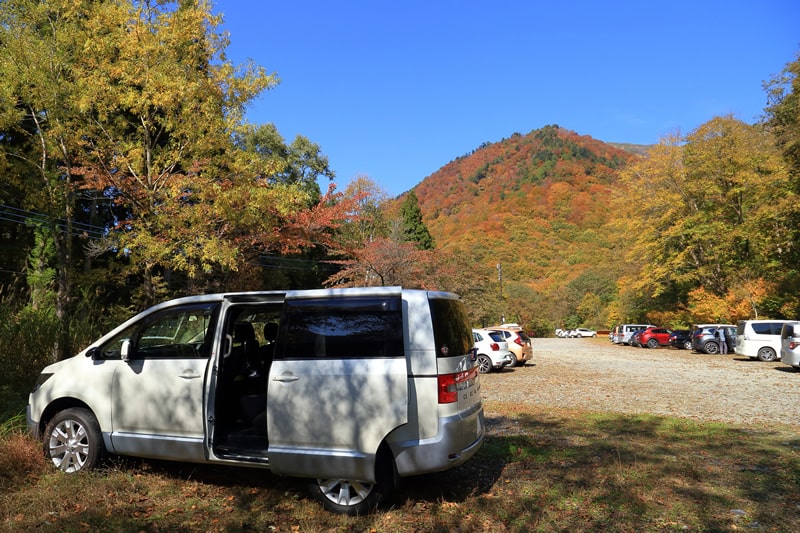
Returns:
(790, 344)
(626, 331)
(352, 388)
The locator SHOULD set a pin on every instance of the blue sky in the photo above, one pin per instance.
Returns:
(396, 90)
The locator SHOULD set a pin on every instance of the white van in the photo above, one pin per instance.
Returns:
(626, 330)
(350, 387)
(759, 339)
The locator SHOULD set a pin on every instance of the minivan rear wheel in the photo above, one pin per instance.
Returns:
(352, 497)
(72, 440)
(766, 354)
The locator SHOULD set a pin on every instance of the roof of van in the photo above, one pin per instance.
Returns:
(781, 320)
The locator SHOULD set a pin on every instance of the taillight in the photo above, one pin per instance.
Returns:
(518, 340)
(450, 384)
(793, 345)
(495, 347)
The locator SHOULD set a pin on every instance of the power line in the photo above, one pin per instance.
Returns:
(23, 216)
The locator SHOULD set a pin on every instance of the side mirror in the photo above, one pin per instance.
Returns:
(93, 353)
(124, 351)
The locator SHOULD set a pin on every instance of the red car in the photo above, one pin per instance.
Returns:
(654, 337)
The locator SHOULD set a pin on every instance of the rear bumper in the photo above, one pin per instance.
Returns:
(791, 357)
(459, 438)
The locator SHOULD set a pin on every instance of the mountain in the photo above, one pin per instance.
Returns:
(538, 205)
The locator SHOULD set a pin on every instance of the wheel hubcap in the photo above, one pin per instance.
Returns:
(344, 491)
(69, 446)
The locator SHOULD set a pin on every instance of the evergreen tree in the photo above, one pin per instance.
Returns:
(414, 228)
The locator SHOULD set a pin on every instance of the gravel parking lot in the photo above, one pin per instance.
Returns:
(596, 375)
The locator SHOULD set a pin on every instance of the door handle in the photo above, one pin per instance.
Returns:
(189, 374)
(285, 378)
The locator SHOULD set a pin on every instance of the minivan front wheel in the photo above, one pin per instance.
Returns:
(766, 354)
(72, 440)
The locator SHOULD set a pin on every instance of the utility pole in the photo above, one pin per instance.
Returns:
(500, 279)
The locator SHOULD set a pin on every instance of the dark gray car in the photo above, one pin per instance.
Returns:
(704, 338)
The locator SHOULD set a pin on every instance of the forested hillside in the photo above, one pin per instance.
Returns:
(129, 174)
(537, 205)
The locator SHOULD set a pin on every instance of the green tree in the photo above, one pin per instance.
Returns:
(299, 163)
(705, 211)
(414, 228)
(40, 124)
(783, 114)
(137, 102)
(783, 121)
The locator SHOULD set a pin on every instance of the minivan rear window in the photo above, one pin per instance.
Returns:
(343, 328)
(452, 334)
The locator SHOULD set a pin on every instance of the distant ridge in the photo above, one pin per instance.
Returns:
(538, 205)
(638, 149)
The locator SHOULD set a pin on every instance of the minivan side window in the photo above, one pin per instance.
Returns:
(181, 332)
(451, 331)
(767, 328)
(342, 328)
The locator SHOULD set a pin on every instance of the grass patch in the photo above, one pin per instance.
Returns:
(538, 471)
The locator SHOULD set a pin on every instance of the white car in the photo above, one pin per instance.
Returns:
(582, 332)
(350, 388)
(759, 339)
(491, 350)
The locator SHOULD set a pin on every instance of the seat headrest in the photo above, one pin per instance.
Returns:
(243, 331)
(270, 331)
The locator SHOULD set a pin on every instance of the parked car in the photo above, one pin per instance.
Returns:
(704, 338)
(681, 338)
(759, 339)
(635, 337)
(359, 387)
(518, 341)
(653, 337)
(582, 332)
(626, 330)
(491, 350)
(790, 344)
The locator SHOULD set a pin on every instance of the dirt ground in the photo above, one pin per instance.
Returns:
(596, 375)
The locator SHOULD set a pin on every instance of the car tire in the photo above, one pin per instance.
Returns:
(652, 343)
(766, 354)
(514, 361)
(72, 440)
(687, 345)
(711, 348)
(484, 364)
(350, 497)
